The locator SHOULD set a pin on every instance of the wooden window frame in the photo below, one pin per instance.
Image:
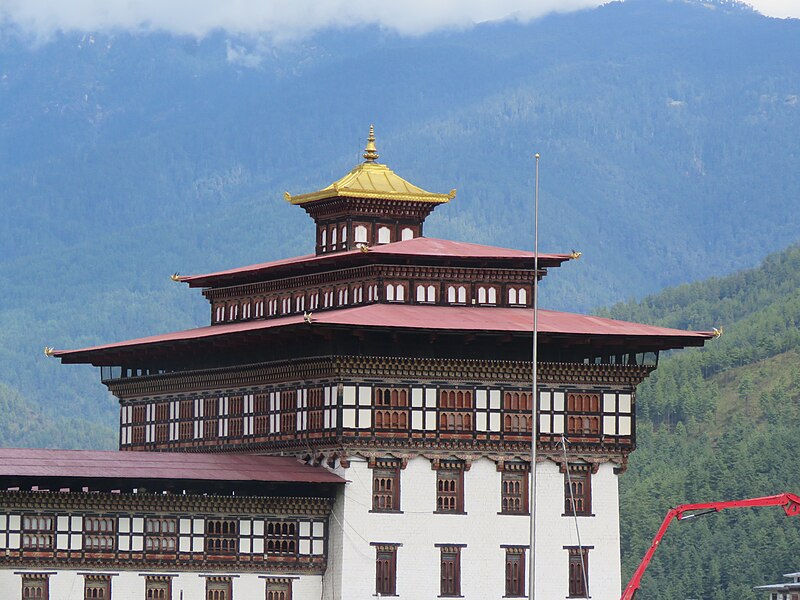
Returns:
(511, 495)
(97, 587)
(281, 538)
(33, 581)
(450, 570)
(45, 536)
(450, 489)
(221, 543)
(515, 572)
(278, 588)
(385, 569)
(386, 486)
(92, 530)
(158, 538)
(581, 479)
(153, 584)
(219, 588)
(577, 586)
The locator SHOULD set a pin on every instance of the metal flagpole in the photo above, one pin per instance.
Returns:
(535, 399)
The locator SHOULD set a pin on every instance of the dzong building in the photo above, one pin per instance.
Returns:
(353, 423)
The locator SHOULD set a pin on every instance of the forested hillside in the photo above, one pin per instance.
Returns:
(719, 423)
(666, 131)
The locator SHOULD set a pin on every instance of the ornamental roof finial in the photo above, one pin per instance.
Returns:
(371, 152)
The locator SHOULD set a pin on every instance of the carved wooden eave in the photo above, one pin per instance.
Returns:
(166, 503)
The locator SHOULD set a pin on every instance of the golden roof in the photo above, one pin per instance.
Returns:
(372, 180)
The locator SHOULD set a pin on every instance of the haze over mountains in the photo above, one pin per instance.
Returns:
(667, 131)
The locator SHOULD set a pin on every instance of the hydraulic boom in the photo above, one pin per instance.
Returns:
(789, 502)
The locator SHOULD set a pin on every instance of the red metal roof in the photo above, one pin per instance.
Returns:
(416, 247)
(425, 317)
(95, 464)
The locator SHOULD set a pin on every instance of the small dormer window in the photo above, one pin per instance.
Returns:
(384, 235)
(407, 233)
(462, 295)
(344, 233)
(333, 238)
(390, 292)
(361, 234)
(324, 238)
(426, 294)
(492, 295)
(512, 295)
(522, 297)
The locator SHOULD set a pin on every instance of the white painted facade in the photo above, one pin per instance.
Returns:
(67, 584)
(482, 531)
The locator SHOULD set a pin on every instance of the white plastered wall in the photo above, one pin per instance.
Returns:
(482, 530)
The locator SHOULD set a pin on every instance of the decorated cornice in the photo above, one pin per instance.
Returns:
(193, 505)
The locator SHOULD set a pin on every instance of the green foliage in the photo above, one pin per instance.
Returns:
(719, 423)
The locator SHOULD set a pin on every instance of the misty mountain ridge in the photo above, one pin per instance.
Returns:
(666, 129)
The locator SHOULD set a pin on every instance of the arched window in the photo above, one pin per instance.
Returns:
(492, 295)
(512, 295)
(407, 233)
(344, 233)
(462, 295)
(481, 295)
(390, 292)
(420, 293)
(384, 235)
(431, 293)
(401, 293)
(333, 236)
(451, 294)
(361, 234)
(523, 296)
(324, 238)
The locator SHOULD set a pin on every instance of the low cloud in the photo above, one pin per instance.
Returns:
(286, 19)
(279, 19)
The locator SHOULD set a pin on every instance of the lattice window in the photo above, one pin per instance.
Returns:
(281, 537)
(158, 587)
(162, 421)
(288, 411)
(515, 572)
(450, 571)
(99, 534)
(38, 532)
(35, 586)
(279, 588)
(450, 489)
(386, 570)
(186, 425)
(97, 587)
(316, 411)
(459, 420)
(387, 399)
(386, 486)
(236, 416)
(161, 535)
(222, 536)
(578, 565)
(583, 412)
(580, 479)
(261, 403)
(219, 588)
(514, 496)
(211, 420)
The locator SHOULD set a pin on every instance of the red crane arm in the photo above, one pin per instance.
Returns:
(789, 502)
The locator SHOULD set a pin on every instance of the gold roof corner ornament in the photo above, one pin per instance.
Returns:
(287, 196)
(575, 255)
(371, 151)
(363, 247)
(175, 276)
(307, 317)
(49, 351)
(718, 332)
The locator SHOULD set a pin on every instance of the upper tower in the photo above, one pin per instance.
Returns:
(370, 205)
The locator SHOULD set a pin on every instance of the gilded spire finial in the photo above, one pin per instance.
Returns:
(371, 152)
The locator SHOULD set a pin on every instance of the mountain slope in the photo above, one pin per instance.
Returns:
(665, 128)
(719, 423)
